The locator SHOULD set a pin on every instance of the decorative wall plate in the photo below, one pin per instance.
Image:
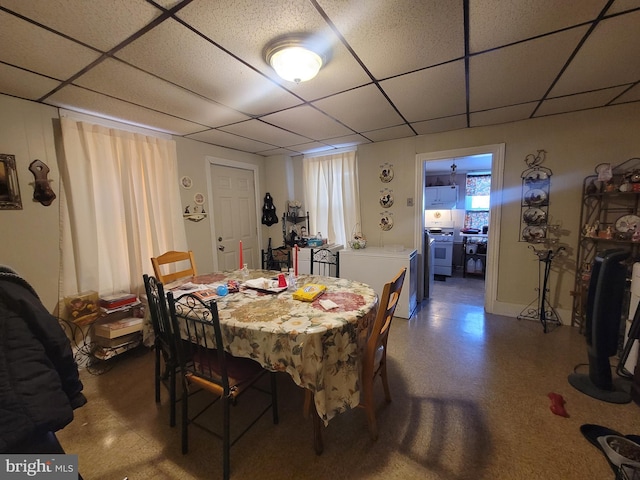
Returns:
(386, 223)
(386, 174)
(535, 197)
(534, 216)
(533, 233)
(186, 182)
(386, 199)
(536, 176)
(198, 198)
(627, 223)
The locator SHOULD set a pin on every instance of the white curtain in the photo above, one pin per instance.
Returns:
(120, 206)
(332, 195)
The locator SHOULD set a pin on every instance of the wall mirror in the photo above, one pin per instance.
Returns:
(9, 188)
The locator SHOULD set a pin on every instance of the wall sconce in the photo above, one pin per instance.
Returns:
(295, 58)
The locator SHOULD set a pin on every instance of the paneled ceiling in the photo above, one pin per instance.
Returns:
(397, 68)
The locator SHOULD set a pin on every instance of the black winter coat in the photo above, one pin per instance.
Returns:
(39, 381)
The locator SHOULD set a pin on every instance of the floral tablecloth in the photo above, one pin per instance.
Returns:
(320, 349)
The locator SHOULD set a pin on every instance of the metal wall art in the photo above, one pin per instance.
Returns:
(9, 188)
(534, 215)
(42, 191)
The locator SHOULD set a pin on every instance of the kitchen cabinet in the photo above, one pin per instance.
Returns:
(376, 266)
(442, 197)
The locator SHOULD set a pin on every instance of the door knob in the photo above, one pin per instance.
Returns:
(221, 248)
(219, 239)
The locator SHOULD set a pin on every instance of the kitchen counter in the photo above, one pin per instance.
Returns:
(376, 265)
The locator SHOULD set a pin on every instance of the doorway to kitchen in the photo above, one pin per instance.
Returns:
(424, 161)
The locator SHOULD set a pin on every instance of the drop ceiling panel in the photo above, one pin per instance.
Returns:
(103, 24)
(401, 131)
(362, 109)
(632, 95)
(598, 65)
(85, 101)
(502, 115)
(523, 71)
(579, 101)
(119, 80)
(494, 23)
(206, 70)
(431, 93)
(224, 139)
(623, 5)
(309, 122)
(440, 125)
(346, 141)
(28, 46)
(266, 133)
(24, 84)
(396, 37)
(246, 27)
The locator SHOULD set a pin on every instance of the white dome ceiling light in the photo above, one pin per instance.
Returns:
(295, 58)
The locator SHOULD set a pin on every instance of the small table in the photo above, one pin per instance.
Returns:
(320, 349)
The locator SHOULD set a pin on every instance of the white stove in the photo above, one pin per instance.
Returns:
(442, 250)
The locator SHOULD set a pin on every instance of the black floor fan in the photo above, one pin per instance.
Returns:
(605, 297)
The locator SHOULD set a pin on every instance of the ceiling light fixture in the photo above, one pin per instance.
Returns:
(295, 58)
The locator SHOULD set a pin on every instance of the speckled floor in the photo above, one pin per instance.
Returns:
(469, 402)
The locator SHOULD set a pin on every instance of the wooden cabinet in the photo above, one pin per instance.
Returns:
(443, 197)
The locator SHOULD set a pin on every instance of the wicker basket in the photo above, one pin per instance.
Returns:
(357, 241)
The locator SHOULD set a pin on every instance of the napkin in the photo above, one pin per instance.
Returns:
(327, 304)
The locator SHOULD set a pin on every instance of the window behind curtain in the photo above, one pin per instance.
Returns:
(120, 206)
(477, 194)
(331, 195)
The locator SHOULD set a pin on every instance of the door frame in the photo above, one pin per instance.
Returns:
(495, 210)
(215, 161)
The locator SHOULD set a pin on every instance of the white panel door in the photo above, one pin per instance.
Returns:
(234, 213)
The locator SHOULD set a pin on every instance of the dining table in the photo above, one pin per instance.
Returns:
(318, 343)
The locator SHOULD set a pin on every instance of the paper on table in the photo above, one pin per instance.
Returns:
(327, 304)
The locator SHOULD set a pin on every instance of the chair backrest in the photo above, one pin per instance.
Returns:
(171, 258)
(276, 259)
(159, 312)
(325, 262)
(387, 307)
(195, 327)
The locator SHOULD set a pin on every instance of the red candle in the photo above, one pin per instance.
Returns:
(295, 260)
(241, 259)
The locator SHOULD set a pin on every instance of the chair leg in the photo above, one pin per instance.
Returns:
(185, 421)
(385, 383)
(157, 373)
(226, 442)
(369, 407)
(171, 369)
(274, 398)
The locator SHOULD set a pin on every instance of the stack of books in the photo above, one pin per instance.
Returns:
(117, 300)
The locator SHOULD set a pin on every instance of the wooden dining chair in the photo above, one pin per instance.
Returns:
(325, 262)
(166, 361)
(278, 259)
(173, 257)
(374, 360)
(213, 370)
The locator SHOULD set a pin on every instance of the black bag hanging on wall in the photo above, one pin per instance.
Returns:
(269, 216)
